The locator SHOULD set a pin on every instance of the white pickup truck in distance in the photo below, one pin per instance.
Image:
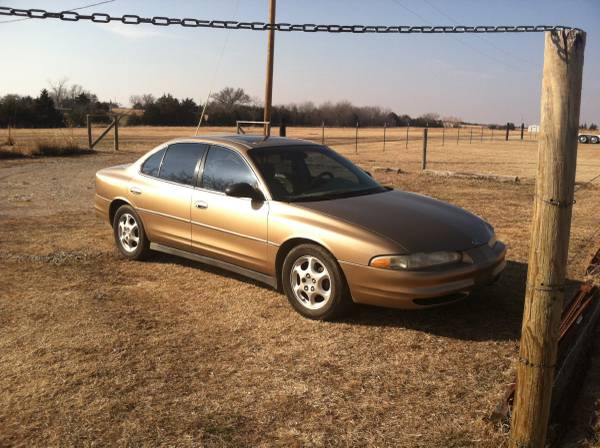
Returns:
(588, 137)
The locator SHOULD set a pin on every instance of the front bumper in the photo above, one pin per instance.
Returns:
(425, 288)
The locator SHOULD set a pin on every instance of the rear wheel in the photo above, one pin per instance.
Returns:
(583, 139)
(314, 283)
(129, 234)
(594, 140)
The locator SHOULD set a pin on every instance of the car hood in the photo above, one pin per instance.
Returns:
(417, 223)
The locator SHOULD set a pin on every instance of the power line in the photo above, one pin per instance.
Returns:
(482, 38)
(471, 47)
(68, 10)
(217, 67)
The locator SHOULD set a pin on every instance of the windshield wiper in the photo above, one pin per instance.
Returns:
(338, 195)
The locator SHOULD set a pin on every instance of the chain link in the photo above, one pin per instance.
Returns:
(133, 19)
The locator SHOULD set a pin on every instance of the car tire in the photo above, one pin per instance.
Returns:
(129, 234)
(314, 283)
(583, 139)
(594, 140)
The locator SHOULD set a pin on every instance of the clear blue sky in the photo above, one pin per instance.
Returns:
(491, 78)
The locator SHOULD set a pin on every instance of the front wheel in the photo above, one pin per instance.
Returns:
(583, 139)
(314, 283)
(129, 234)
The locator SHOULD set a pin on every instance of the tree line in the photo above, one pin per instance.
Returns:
(67, 104)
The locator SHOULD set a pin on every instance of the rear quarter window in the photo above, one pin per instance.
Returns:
(151, 165)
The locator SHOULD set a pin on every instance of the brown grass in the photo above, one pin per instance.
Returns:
(96, 350)
(44, 147)
(488, 154)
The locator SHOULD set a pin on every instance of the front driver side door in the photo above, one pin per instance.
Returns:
(224, 227)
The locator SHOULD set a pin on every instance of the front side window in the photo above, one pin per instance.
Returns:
(224, 167)
(179, 164)
(152, 163)
(311, 173)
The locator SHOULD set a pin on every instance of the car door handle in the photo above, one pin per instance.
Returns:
(201, 204)
(136, 190)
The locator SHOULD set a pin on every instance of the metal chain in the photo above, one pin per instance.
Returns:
(132, 19)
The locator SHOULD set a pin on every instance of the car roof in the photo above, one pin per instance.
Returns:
(247, 142)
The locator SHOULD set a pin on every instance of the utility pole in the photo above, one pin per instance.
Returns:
(270, 58)
(551, 225)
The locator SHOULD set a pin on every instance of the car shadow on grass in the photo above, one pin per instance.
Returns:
(492, 313)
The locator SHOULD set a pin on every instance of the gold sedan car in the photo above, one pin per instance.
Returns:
(299, 217)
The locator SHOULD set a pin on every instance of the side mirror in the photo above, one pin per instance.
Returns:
(244, 190)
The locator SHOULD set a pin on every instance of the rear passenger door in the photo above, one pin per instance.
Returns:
(162, 193)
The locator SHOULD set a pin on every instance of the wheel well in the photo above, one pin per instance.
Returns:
(284, 249)
(114, 206)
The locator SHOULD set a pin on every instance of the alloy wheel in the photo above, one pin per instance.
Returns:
(311, 282)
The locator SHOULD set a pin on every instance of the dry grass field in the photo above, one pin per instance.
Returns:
(99, 351)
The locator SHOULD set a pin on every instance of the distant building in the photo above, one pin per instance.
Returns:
(533, 128)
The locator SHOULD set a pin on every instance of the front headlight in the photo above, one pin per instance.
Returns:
(415, 261)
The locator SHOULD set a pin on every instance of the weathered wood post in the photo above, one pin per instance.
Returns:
(458, 135)
(471, 137)
(270, 59)
(522, 130)
(384, 129)
(89, 130)
(356, 139)
(116, 121)
(557, 158)
(507, 131)
(424, 160)
(443, 134)
(407, 129)
(322, 132)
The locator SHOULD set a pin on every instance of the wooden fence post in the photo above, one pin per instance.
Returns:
(407, 129)
(322, 132)
(424, 161)
(116, 119)
(522, 130)
(356, 139)
(458, 135)
(471, 137)
(443, 134)
(557, 147)
(507, 131)
(384, 129)
(89, 130)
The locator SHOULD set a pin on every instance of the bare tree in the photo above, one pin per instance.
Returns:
(230, 97)
(58, 90)
(141, 101)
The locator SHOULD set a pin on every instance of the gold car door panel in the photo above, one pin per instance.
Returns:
(224, 227)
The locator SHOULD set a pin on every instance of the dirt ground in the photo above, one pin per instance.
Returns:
(96, 350)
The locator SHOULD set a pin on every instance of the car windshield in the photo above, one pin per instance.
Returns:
(311, 173)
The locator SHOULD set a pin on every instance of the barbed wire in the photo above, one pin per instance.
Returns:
(133, 19)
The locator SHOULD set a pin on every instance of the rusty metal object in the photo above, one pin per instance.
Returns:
(573, 315)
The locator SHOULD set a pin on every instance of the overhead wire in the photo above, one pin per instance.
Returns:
(463, 43)
(217, 67)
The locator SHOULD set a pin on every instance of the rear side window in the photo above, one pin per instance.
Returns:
(223, 168)
(152, 163)
(179, 164)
